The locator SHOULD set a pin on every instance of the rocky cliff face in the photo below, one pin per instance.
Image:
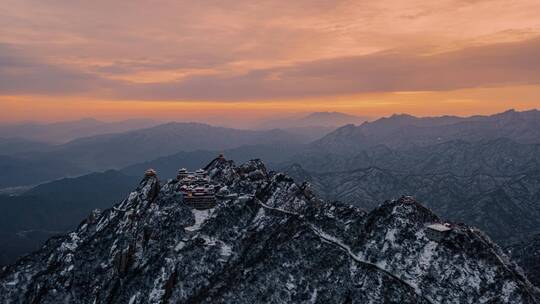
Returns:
(268, 241)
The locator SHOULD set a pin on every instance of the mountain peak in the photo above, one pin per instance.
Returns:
(402, 116)
(266, 239)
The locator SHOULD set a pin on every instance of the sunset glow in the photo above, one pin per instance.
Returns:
(219, 61)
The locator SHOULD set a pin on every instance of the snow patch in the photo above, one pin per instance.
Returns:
(71, 244)
(507, 291)
(391, 235)
(157, 293)
(134, 297)
(132, 196)
(209, 241)
(259, 217)
(200, 217)
(313, 298)
(225, 250)
(179, 246)
(427, 254)
(15, 280)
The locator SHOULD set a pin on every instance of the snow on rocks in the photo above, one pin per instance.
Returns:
(200, 217)
(225, 250)
(274, 242)
(71, 243)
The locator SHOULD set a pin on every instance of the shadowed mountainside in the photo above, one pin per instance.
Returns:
(26, 221)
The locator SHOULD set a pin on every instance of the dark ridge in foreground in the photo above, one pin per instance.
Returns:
(267, 240)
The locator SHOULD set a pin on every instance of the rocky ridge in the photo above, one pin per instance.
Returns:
(268, 240)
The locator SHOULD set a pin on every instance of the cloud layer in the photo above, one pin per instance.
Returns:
(244, 50)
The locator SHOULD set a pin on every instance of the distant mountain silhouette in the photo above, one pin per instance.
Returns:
(404, 131)
(167, 166)
(313, 126)
(119, 150)
(116, 150)
(315, 119)
(61, 132)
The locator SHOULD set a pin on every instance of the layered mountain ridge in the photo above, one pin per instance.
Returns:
(267, 240)
(492, 203)
(405, 131)
(488, 184)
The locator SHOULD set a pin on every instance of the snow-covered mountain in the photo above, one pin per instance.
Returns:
(493, 185)
(505, 207)
(268, 240)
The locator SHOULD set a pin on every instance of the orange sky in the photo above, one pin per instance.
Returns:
(233, 62)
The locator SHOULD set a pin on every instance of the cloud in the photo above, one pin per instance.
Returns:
(21, 74)
(490, 65)
(245, 50)
(502, 64)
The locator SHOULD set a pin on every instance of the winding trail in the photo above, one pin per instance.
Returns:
(335, 241)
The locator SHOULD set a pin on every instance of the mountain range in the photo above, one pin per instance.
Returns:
(486, 181)
(406, 131)
(482, 170)
(492, 203)
(274, 155)
(117, 150)
(268, 240)
(501, 156)
(314, 125)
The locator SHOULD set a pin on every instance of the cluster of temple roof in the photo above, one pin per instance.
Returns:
(194, 183)
(196, 187)
(197, 190)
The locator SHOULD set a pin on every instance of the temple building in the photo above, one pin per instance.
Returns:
(196, 188)
(438, 232)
